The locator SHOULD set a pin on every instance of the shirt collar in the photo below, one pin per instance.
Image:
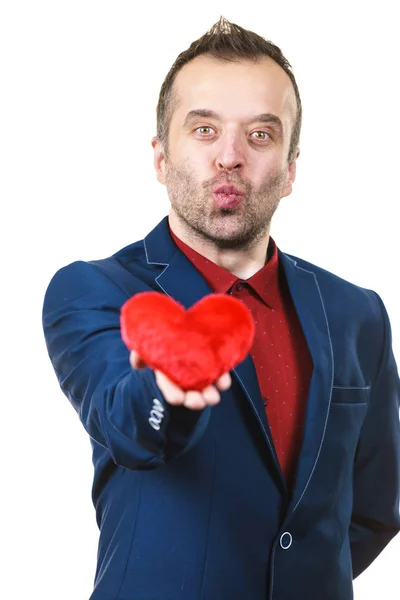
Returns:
(265, 282)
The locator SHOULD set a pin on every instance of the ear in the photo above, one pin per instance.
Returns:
(291, 175)
(159, 159)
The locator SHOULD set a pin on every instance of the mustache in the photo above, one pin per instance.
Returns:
(209, 184)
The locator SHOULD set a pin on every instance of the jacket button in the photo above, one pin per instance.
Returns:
(286, 540)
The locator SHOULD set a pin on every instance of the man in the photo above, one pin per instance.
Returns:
(282, 479)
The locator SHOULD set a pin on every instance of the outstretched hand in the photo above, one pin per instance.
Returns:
(191, 399)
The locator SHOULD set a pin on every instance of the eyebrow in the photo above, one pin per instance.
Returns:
(203, 113)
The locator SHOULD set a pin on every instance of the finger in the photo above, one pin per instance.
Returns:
(136, 361)
(194, 400)
(171, 392)
(211, 395)
(224, 382)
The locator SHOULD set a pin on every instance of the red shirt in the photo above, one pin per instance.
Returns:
(280, 353)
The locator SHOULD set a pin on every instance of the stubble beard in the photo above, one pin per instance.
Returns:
(239, 228)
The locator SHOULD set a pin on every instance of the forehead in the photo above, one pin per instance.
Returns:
(235, 90)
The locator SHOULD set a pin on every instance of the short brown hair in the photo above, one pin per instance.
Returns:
(230, 42)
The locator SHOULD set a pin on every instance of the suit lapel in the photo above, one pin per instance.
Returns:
(180, 280)
(308, 301)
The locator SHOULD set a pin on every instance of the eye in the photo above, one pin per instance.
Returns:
(260, 135)
(204, 130)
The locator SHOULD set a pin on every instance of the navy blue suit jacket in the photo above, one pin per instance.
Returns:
(192, 505)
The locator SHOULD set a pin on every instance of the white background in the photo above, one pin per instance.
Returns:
(79, 86)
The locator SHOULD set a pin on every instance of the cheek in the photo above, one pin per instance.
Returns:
(198, 163)
(265, 171)
(271, 176)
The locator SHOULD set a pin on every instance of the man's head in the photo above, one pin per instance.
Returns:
(229, 114)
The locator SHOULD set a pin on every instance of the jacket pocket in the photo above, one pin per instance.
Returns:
(350, 394)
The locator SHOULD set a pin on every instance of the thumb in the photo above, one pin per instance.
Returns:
(136, 361)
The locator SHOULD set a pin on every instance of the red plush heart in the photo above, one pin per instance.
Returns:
(192, 347)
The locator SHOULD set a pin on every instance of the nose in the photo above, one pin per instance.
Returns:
(230, 155)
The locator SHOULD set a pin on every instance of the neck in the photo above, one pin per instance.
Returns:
(242, 263)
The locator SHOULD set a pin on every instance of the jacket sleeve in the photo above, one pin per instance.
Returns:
(375, 519)
(120, 408)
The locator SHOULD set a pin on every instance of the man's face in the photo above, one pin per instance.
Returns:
(227, 165)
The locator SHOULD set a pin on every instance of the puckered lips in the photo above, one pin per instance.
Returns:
(227, 196)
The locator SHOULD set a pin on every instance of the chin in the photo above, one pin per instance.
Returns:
(229, 239)
(231, 233)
